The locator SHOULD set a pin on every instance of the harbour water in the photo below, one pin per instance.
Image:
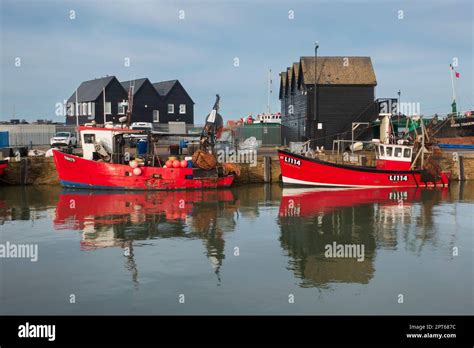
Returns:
(256, 249)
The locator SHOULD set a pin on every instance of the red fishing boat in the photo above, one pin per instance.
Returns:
(3, 166)
(395, 166)
(80, 172)
(393, 163)
(107, 164)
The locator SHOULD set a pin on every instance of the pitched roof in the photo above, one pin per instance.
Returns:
(138, 83)
(164, 87)
(90, 90)
(289, 74)
(338, 71)
(282, 84)
(296, 68)
(283, 78)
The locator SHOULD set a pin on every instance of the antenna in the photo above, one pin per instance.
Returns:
(269, 91)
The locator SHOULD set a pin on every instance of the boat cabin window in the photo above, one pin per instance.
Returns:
(382, 153)
(398, 152)
(89, 138)
(407, 153)
(389, 151)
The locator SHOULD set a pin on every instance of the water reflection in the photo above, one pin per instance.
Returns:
(111, 219)
(26, 202)
(308, 220)
(313, 221)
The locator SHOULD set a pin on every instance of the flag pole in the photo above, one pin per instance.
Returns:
(269, 90)
(103, 94)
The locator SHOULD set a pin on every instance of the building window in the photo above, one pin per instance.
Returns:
(121, 108)
(84, 109)
(91, 110)
(170, 108)
(156, 115)
(108, 108)
(182, 108)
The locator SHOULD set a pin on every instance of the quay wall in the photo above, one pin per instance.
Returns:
(31, 171)
(42, 171)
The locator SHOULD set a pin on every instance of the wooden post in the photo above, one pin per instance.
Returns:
(462, 177)
(23, 170)
(267, 168)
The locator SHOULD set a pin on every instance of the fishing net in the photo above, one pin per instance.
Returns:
(431, 171)
(204, 160)
(231, 168)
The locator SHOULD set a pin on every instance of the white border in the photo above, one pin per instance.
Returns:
(287, 180)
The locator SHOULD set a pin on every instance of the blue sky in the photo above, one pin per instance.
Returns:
(57, 53)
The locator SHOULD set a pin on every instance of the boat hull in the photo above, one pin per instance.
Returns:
(77, 172)
(300, 170)
(457, 127)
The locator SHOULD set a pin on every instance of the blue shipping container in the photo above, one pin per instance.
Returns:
(4, 139)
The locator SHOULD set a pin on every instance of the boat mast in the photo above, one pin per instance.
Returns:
(130, 102)
(422, 141)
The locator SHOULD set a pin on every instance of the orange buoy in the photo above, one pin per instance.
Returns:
(176, 164)
(184, 163)
(168, 164)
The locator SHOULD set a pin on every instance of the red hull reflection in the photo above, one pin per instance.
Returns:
(76, 208)
(307, 202)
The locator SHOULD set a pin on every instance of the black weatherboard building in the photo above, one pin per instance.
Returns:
(160, 102)
(345, 93)
(177, 104)
(147, 103)
(90, 101)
